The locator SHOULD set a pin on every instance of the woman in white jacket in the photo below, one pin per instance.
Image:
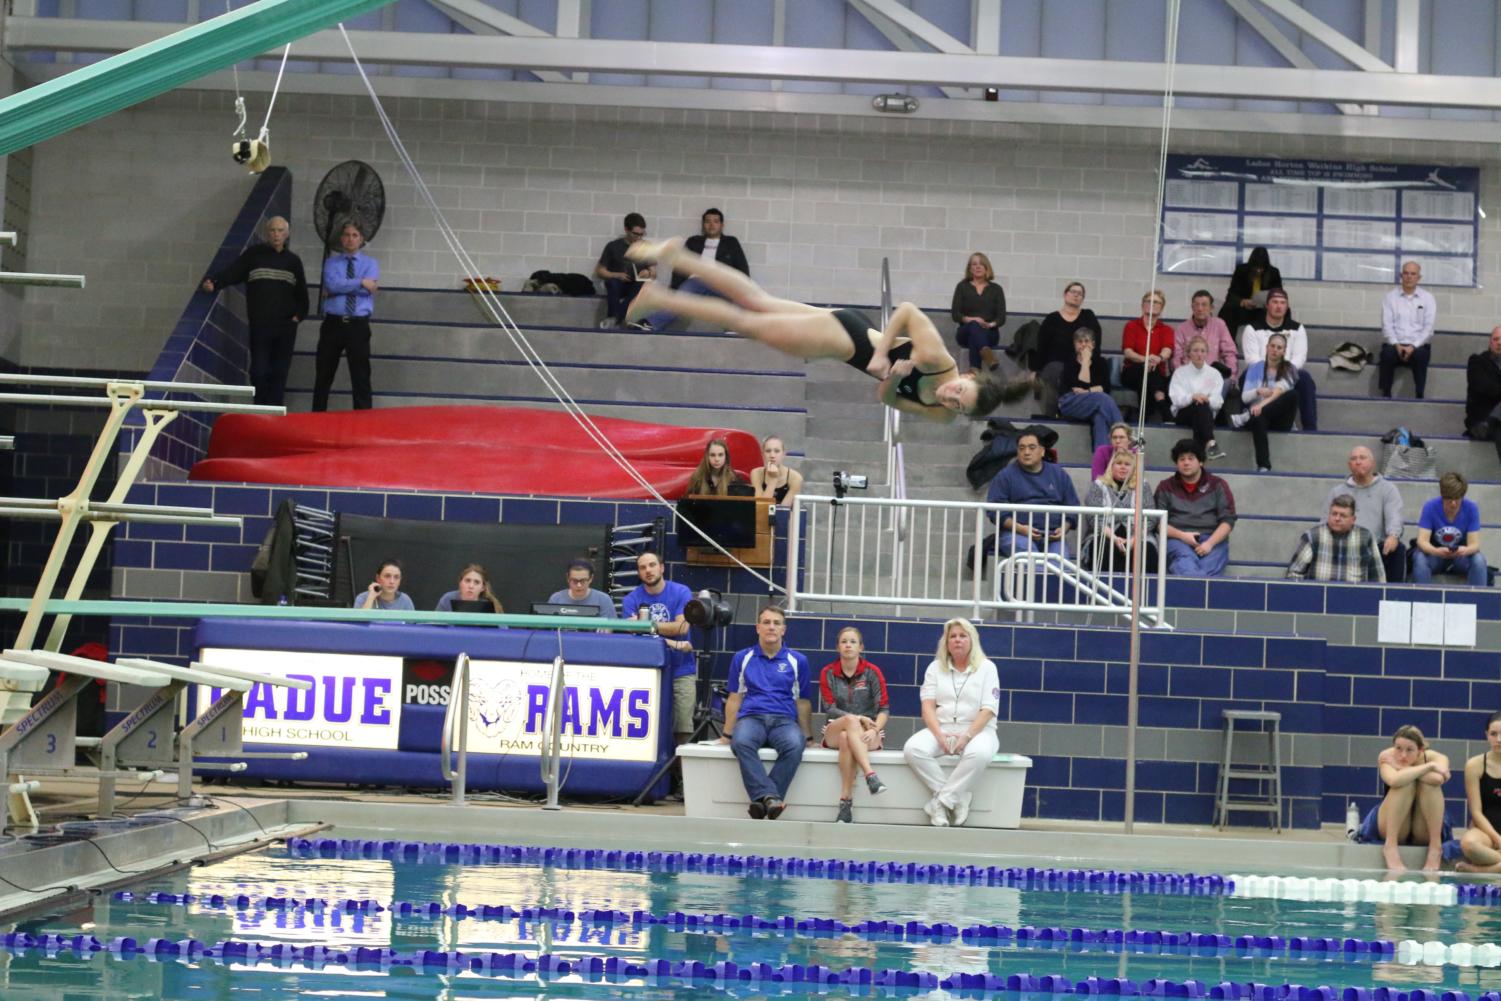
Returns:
(961, 694)
(1197, 392)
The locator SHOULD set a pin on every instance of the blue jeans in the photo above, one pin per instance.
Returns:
(784, 736)
(976, 336)
(618, 297)
(1026, 544)
(662, 318)
(1182, 561)
(1097, 410)
(1308, 401)
(1470, 567)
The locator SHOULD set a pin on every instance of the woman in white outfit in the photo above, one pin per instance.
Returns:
(961, 692)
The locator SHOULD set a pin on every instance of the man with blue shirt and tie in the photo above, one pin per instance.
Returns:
(770, 705)
(350, 281)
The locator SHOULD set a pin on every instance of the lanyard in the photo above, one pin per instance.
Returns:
(959, 689)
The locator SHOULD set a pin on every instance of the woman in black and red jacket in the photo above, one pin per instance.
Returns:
(855, 699)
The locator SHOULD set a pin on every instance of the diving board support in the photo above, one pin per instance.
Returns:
(42, 742)
(148, 735)
(218, 732)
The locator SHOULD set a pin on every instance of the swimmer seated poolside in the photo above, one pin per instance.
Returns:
(916, 371)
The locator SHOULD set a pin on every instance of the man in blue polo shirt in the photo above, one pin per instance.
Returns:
(770, 704)
(662, 601)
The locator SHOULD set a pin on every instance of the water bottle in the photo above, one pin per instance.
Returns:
(1352, 821)
(1404, 437)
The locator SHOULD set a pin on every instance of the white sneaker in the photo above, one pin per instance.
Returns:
(937, 812)
(1239, 420)
(960, 813)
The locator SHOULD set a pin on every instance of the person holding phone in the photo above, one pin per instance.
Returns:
(384, 592)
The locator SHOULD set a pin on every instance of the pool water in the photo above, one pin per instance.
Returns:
(278, 873)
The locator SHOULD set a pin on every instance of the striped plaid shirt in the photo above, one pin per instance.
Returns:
(1351, 557)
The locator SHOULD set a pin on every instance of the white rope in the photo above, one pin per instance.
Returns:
(239, 99)
(502, 319)
(276, 89)
(1171, 58)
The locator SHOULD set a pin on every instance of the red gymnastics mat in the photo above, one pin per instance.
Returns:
(502, 450)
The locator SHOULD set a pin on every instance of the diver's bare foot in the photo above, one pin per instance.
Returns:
(1434, 860)
(1388, 852)
(661, 251)
(647, 301)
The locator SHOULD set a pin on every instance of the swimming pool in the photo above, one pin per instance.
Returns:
(641, 916)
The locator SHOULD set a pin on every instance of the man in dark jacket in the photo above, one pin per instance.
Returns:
(276, 300)
(712, 242)
(1483, 393)
(1200, 514)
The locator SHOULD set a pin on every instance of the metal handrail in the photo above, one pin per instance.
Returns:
(458, 695)
(551, 749)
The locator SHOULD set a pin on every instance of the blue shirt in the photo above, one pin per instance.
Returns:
(665, 607)
(770, 686)
(1049, 485)
(1444, 533)
(401, 604)
(598, 599)
(337, 285)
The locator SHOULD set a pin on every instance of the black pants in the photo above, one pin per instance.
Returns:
(1200, 417)
(340, 336)
(1417, 361)
(1395, 562)
(271, 347)
(1275, 416)
(1156, 383)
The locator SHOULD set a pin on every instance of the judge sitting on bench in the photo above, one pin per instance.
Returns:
(770, 704)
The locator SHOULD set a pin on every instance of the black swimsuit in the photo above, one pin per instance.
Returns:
(1490, 798)
(857, 325)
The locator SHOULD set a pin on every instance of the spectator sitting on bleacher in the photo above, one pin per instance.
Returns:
(580, 590)
(714, 474)
(770, 705)
(961, 695)
(1203, 323)
(1378, 509)
(1197, 392)
(1200, 514)
(1449, 536)
(1483, 393)
(623, 278)
(1147, 341)
(1279, 320)
(1055, 341)
(384, 592)
(1269, 397)
(474, 585)
(857, 705)
(1120, 437)
(776, 479)
(1245, 299)
(1408, 314)
(1084, 389)
(1338, 550)
(1108, 545)
(712, 243)
(1031, 479)
(979, 308)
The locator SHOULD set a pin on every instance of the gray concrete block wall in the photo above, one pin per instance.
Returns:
(138, 200)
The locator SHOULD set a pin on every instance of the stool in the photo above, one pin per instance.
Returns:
(1270, 776)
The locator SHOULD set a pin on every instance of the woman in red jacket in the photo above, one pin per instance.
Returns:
(855, 699)
(1148, 342)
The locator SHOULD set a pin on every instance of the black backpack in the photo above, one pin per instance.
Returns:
(568, 283)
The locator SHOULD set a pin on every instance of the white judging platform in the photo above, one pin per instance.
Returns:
(712, 787)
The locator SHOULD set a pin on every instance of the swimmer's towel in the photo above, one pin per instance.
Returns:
(507, 450)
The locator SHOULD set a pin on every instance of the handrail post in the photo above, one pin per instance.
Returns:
(458, 696)
(794, 540)
(550, 760)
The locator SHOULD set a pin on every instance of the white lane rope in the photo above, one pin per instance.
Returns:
(503, 320)
(1383, 891)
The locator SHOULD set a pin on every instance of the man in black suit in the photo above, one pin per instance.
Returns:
(712, 242)
(1483, 393)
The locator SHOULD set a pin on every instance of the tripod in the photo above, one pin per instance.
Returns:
(707, 723)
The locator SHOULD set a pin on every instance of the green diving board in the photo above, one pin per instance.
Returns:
(128, 78)
(223, 610)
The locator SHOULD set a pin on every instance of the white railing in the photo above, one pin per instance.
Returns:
(847, 551)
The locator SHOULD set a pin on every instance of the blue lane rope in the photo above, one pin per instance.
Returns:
(1024, 937)
(547, 966)
(762, 866)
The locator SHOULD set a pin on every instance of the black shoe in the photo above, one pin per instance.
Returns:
(757, 809)
(774, 807)
(846, 812)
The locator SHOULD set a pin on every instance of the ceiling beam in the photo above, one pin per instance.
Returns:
(834, 65)
(1405, 53)
(898, 36)
(1286, 47)
(1347, 49)
(482, 19)
(915, 25)
(985, 26)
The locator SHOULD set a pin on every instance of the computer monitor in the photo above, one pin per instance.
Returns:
(557, 608)
(477, 606)
(729, 521)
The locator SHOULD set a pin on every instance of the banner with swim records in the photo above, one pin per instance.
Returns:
(607, 712)
(354, 701)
